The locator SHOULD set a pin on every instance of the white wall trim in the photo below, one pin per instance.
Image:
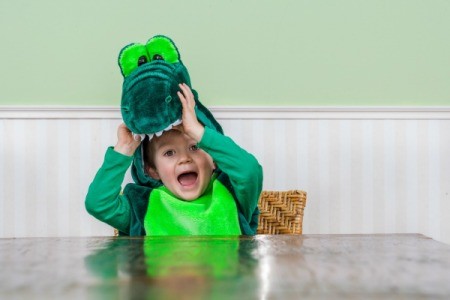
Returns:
(371, 175)
(241, 112)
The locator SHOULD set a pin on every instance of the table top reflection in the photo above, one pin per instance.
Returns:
(397, 266)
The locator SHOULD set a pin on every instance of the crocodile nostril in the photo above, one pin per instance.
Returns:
(168, 99)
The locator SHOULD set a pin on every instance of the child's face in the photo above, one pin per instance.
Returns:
(182, 167)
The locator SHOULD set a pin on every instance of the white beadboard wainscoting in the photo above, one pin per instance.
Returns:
(366, 170)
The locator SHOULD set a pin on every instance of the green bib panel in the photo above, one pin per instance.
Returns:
(214, 213)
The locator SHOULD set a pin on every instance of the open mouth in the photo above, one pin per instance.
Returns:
(188, 178)
(158, 134)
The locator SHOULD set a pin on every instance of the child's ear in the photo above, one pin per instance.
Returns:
(153, 173)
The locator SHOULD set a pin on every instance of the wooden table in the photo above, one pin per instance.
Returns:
(398, 266)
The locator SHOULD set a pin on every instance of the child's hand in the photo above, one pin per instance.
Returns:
(191, 125)
(126, 144)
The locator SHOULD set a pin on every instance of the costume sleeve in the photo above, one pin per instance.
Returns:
(104, 200)
(242, 168)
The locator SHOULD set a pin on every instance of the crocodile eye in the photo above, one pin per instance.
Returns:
(131, 57)
(162, 48)
(142, 60)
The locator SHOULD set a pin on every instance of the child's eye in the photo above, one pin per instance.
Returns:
(169, 153)
(193, 148)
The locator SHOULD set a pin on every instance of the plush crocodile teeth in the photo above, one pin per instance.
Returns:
(177, 122)
(158, 134)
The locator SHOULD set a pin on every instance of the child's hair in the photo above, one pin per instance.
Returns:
(148, 155)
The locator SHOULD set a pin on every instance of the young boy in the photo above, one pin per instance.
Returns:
(210, 186)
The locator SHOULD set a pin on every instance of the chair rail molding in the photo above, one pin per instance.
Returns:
(243, 112)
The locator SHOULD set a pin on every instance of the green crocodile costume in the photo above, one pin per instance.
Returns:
(150, 105)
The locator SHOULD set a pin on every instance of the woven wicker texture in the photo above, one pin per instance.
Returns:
(281, 212)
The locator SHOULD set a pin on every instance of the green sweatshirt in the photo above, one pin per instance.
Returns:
(237, 170)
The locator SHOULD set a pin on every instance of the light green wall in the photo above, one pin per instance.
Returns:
(259, 52)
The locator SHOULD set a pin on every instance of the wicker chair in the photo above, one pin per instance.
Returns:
(281, 212)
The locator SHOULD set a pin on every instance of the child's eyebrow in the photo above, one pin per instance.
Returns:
(164, 144)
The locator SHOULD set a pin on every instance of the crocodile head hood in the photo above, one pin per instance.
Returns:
(150, 104)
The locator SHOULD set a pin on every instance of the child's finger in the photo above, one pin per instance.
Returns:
(188, 89)
(187, 93)
(183, 100)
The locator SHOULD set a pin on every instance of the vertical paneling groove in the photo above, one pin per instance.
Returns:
(362, 176)
(74, 191)
(52, 159)
(356, 183)
(41, 164)
(412, 180)
(20, 162)
(9, 171)
(279, 153)
(334, 153)
(289, 143)
(422, 188)
(378, 177)
(402, 171)
(367, 174)
(389, 165)
(344, 187)
(323, 167)
(258, 142)
(434, 186)
(302, 149)
(445, 178)
(2, 177)
(314, 178)
(28, 182)
(269, 153)
(63, 179)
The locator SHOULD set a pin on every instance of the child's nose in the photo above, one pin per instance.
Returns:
(185, 158)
